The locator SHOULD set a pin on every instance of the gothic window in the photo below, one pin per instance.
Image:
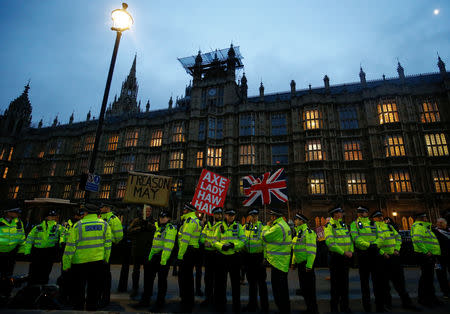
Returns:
(13, 192)
(153, 163)
(394, 146)
(84, 165)
(429, 112)
(76, 146)
(178, 133)
(5, 173)
(44, 190)
(215, 128)
(279, 154)
(201, 130)
(316, 183)
(176, 160)
(199, 159)
(11, 150)
(113, 141)
(108, 166)
(52, 169)
(436, 144)
(69, 169)
(352, 150)
(79, 194)
(51, 148)
(279, 124)
(312, 119)
(441, 180)
(400, 181)
(247, 124)
(348, 116)
(156, 140)
(2, 154)
(105, 189)
(247, 154)
(356, 183)
(131, 138)
(214, 157)
(314, 150)
(89, 143)
(67, 189)
(387, 112)
(121, 189)
(128, 162)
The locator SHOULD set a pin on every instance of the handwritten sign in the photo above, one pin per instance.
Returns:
(144, 188)
(211, 191)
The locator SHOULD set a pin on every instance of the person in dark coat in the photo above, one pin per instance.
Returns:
(442, 233)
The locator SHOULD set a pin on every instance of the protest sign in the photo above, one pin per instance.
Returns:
(144, 188)
(211, 191)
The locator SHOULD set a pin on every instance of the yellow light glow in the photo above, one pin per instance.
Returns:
(394, 213)
(122, 20)
(436, 11)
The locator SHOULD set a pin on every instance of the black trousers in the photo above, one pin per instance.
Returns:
(210, 269)
(280, 290)
(198, 270)
(41, 265)
(135, 275)
(426, 286)
(90, 274)
(370, 268)
(441, 273)
(339, 268)
(256, 277)
(7, 262)
(151, 269)
(186, 279)
(105, 287)
(307, 281)
(394, 273)
(228, 264)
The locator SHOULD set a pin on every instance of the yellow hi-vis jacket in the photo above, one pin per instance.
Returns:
(253, 240)
(90, 240)
(278, 242)
(44, 235)
(189, 233)
(163, 241)
(304, 246)
(233, 233)
(388, 240)
(66, 232)
(363, 232)
(116, 226)
(207, 237)
(337, 237)
(12, 234)
(424, 240)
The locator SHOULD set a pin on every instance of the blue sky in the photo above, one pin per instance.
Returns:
(65, 47)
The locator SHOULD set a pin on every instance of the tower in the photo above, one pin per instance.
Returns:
(18, 115)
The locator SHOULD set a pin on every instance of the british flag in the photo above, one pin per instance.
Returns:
(265, 187)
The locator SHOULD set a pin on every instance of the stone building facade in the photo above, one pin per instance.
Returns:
(380, 143)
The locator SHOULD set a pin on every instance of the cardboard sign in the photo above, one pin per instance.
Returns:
(144, 188)
(320, 233)
(211, 191)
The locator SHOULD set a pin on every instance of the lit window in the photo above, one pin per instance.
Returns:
(436, 144)
(279, 154)
(247, 154)
(108, 166)
(241, 187)
(51, 148)
(400, 181)
(313, 149)
(394, 146)
(89, 143)
(52, 169)
(69, 170)
(84, 165)
(45, 190)
(67, 189)
(177, 185)
(2, 153)
(128, 163)
(121, 189)
(429, 112)
(247, 124)
(312, 119)
(76, 147)
(10, 153)
(387, 112)
(201, 130)
(20, 171)
(156, 140)
(41, 154)
(176, 160)
(352, 150)
(316, 183)
(441, 180)
(113, 141)
(13, 192)
(79, 194)
(278, 124)
(199, 159)
(5, 173)
(131, 138)
(214, 157)
(215, 128)
(348, 117)
(153, 163)
(178, 133)
(105, 189)
(356, 183)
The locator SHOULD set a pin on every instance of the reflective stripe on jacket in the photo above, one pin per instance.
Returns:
(304, 246)
(116, 226)
(208, 237)
(163, 241)
(424, 240)
(337, 237)
(189, 233)
(233, 233)
(363, 232)
(253, 240)
(44, 235)
(12, 234)
(278, 241)
(388, 240)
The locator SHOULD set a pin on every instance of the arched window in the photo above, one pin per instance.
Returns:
(411, 221)
(317, 219)
(405, 224)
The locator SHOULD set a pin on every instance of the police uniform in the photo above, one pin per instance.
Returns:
(188, 245)
(88, 249)
(12, 237)
(304, 254)
(229, 240)
(426, 246)
(43, 243)
(253, 260)
(364, 234)
(338, 241)
(278, 242)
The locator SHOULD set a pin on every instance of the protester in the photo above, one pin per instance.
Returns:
(442, 233)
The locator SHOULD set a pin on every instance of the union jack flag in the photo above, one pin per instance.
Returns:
(265, 187)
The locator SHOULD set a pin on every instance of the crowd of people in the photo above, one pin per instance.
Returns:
(224, 246)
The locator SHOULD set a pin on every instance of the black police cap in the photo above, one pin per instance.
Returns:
(165, 213)
(252, 211)
(362, 209)
(190, 207)
(337, 209)
(230, 211)
(376, 213)
(91, 208)
(420, 215)
(301, 217)
(275, 212)
(217, 210)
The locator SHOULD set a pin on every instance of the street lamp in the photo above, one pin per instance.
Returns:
(122, 21)
(394, 213)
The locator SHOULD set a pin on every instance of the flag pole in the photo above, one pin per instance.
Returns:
(289, 211)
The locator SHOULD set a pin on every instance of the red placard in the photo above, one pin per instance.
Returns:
(211, 191)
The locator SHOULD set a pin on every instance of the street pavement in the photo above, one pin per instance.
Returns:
(120, 302)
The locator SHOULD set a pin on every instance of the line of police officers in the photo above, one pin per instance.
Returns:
(228, 245)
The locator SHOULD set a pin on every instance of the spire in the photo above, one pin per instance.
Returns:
(261, 91)
(198, 58)
(231, 52)
(88, 116)
(170, 103)
(147, 106)
(362, 76)
(292, 87)
(441, 66)
(133, 67)
(400, 71)
(40, 124)
(71, 119)
(244, 87)
(326, 81)
(55, 121)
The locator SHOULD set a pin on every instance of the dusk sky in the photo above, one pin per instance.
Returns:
(65, 47)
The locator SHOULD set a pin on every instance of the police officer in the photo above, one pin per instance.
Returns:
(364, 234)
(253, 260)
(43, 243)
(340, 249)
(229, 240)
(278, 242)
(188, 246)
(207, 238)
(116, 235)
(12, 238)
(426, 246)
(88, 249)
(305, 248)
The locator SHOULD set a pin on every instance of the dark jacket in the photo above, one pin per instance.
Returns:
(444, 240)
(141, 233)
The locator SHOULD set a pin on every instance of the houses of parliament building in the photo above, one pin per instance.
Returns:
(380, 143)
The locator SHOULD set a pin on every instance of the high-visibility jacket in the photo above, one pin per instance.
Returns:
(12, 234)
(163, 241)
(278, 241)
(337, 237)
(44, 235)
(233, 233)
(90, 240)
(116, 226)
(304, 246)
(208, 235)
(253, 241)
(189, 233)
(66, 231)
(424, 240)
(363, 232)
(388, 240)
